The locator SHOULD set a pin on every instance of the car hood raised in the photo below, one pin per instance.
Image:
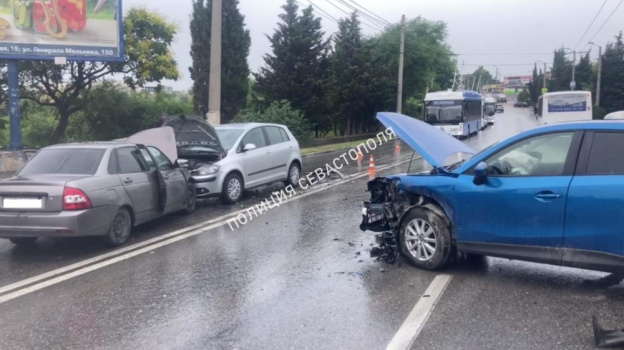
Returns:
(192, 130)
(433, 144)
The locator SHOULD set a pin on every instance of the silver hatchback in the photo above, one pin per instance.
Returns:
(255, 154)
(93, 189)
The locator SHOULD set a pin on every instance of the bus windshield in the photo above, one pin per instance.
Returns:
(446, 112)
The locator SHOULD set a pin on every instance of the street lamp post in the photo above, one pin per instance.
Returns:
(599, 73)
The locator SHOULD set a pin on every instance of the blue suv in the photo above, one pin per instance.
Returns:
(553, 194)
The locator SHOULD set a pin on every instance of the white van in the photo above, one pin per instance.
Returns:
(564, 106)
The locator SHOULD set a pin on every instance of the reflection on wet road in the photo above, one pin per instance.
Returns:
(298, 276)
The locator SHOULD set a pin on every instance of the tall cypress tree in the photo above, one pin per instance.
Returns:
(235, 45)
(584, 74)
(561, 73)
(353, 87)
(297, 68)
(612, 88)
(535, 86)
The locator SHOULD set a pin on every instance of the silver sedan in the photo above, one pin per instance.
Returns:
(93, 189)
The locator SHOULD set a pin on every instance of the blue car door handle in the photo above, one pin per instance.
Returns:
(547, 195)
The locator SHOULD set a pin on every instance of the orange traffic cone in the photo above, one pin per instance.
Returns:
(371, 168)
(397, 149)
(360, 156)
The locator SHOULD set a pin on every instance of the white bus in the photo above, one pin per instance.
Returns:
(458, 113)
(564, 106)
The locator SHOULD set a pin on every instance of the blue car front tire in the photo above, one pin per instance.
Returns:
(425, 239)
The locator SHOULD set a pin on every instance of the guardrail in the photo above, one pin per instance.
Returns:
(11, 161)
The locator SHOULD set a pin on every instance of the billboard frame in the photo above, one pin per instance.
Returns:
(122, 48)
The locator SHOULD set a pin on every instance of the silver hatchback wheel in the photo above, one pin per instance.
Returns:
(234, 188)
(420, 239)
(294, 174)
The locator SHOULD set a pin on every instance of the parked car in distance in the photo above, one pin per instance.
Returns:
(500, 108)
(254, 154)
(557, 192)
(95, 189)
(521, 105)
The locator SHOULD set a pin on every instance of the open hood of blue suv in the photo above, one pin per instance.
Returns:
(433, 144)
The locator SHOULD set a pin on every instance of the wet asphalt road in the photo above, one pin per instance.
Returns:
(297, 277)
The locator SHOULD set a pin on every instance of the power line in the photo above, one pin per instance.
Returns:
(319, 13)
(348, 14)
(504, 54)
(590, 24)
(500, 64)
(364, 14)
(371, 12)
(339, 8)
(325, 12)
(607, 20)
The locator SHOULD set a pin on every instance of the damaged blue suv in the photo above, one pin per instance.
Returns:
(553, 194)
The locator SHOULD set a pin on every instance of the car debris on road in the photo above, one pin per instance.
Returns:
(607, 338)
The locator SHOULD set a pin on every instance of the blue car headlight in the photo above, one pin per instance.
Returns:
(206, 170)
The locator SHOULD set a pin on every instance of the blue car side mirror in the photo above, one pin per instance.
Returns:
(480, 174)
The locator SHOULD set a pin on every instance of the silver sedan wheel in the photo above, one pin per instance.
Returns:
(294, 174)
(234, 188)
(420, 239)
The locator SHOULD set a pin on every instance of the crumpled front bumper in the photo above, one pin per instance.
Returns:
(373, 218)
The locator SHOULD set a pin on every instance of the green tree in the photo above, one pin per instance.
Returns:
(280, 112)
(234, 67)
(612, 88)
(113, 112)
(297, 68)
(428, 59)
(535, 86)
(479, 76)
(148, 38)
(353, 85)
(584, 74)
(561, 73)
(524, 96)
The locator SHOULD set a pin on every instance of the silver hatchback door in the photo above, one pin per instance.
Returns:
(281, 150)
(257, 161)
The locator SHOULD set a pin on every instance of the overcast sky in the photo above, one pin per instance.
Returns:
(511, 34)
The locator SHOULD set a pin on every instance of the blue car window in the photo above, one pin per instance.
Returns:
(606, 156)
(543, 155)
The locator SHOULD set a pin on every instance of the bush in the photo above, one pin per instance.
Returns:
(279, 113)
(598, 113)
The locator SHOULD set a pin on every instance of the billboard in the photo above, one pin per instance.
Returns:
(517, 82)
(88, 30)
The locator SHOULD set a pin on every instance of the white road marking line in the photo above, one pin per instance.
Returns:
(413, 324)
(33, 284)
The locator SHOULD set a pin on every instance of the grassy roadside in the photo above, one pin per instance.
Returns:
(332, 147)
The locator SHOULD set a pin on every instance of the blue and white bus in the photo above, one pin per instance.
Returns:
(458, 113)
(564, 106)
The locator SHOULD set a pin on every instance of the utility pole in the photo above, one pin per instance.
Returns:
(401, 54)
(599, 73)
(454, 77)
(214, 87)
(573, 84)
